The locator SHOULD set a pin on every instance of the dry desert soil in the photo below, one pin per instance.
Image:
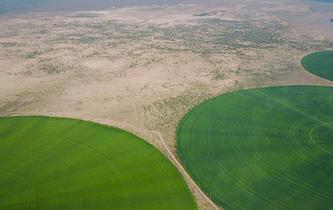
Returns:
(142, 68)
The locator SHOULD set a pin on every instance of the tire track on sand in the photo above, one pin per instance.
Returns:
(182, 170)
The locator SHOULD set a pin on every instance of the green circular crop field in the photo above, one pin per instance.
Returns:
(266, 148)
(320, 64)
(56, 163)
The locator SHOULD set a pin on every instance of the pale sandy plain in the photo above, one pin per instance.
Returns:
(143, 68)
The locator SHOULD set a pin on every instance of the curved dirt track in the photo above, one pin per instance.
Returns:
(181, 169)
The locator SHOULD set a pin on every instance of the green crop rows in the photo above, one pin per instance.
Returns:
(267, 148)
(320, 63)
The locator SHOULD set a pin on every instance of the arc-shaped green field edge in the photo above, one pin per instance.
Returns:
(320, 63)
(266, 148)
(58, 163)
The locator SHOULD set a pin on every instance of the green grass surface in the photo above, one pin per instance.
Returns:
(320, 64)
(269, 148)
(55, 163)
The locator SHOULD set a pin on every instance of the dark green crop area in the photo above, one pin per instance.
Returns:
(320, 64)
(55, 163)
(269, 148)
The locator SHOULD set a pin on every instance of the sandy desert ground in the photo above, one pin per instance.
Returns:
(143, 68)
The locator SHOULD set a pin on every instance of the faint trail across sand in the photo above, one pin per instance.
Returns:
(181, 169)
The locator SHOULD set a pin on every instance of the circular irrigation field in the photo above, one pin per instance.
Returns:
(320, 63)
(266, 148)
(56, 163)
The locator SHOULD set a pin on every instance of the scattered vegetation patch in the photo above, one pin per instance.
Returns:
(268, 148)
(163, 112)
(213, 13)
